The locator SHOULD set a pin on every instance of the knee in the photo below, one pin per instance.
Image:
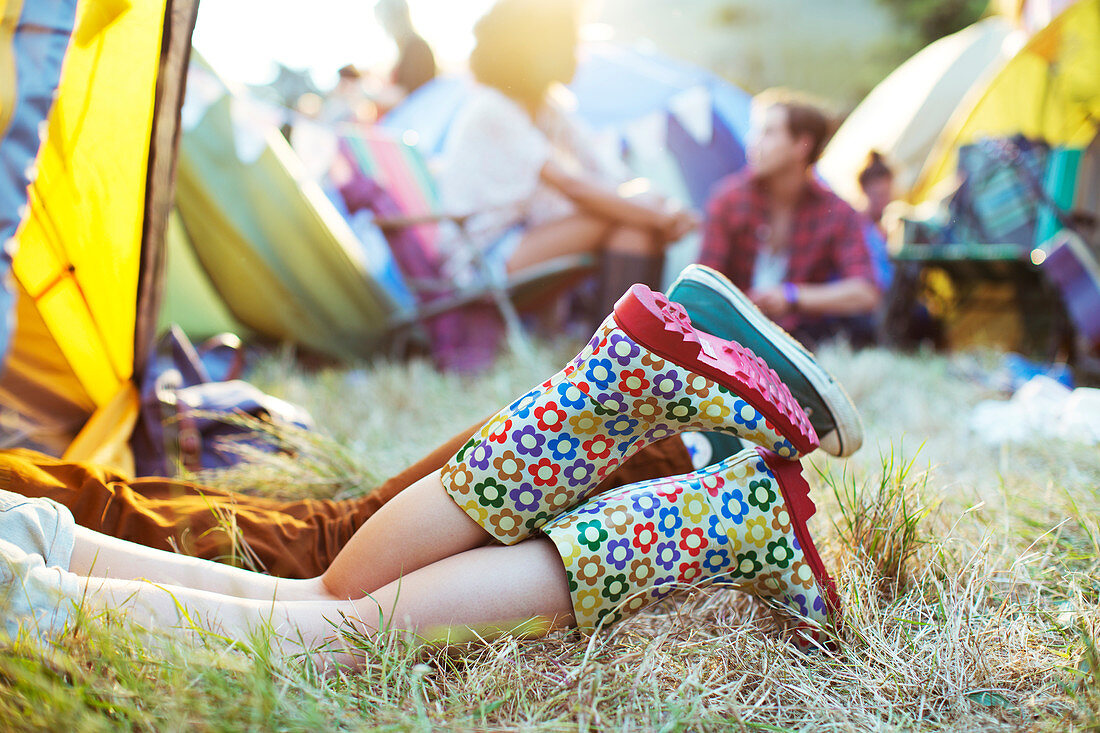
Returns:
(332, 587)
(627, 239)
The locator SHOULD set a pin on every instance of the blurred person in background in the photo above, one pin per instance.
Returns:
(876, 181)
(530, 173)
(348, 100)
(794, 246)
(415, 64)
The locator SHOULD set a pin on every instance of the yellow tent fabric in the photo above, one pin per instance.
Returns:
(905, 112)
(9, 19)
(78, 249)
(1049, 90)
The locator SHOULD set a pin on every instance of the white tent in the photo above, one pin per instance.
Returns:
(903, 116)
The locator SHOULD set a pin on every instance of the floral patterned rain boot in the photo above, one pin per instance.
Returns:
(645, 375)
(741, 522)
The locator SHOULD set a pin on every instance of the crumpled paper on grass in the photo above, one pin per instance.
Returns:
(1042, 408)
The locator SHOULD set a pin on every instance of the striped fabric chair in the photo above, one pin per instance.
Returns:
(410, 206)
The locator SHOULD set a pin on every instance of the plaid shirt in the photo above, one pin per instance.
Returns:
(826, 241)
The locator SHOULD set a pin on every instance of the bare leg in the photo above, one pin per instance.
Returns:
(485, 591)
(633, 241)
(103, 556)
(573, 235)
(419, 526)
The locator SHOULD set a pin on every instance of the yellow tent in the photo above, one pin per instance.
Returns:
(89, 250)
(905, 112)
(1049, 90)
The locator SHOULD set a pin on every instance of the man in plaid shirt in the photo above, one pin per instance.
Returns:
(792, 245)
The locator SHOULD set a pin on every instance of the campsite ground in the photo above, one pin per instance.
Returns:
(972, 587)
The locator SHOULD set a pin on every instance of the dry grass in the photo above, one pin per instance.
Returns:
(970, 577)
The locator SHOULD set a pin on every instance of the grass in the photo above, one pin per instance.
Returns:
(970, 577)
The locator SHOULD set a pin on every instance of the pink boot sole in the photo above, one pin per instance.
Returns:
(665, 328)
(796, 494)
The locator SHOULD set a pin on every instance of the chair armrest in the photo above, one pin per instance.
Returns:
(404, 222)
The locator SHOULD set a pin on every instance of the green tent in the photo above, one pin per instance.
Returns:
(257, 247)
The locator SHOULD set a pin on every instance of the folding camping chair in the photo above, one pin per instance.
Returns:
(1012, 198)
(397, 167)
(1073, 266)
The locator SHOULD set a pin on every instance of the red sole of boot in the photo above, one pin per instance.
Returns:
(796, 493)
(665, 329)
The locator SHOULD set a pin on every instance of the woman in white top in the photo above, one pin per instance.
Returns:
(529, 172)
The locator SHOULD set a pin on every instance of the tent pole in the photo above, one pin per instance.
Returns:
(175, 53)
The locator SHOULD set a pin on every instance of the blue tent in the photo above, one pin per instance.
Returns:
(675, 123)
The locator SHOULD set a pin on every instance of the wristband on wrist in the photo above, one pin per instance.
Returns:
(790, 294)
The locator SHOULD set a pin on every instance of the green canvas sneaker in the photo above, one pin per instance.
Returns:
(717, 306)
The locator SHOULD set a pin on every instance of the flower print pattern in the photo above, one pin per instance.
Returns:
(690, 572)
(734, 507)
(681, 410)
(619, 553)
(615, 587)
(585, 422)
(618, 517)
(647, 408)
(563, 447)
(525, 497)
(598, 448)
(645, 536)
(747, 565)
(479, 456)
(591, 535)
(579, 472)
(669, 491)
(780, 553)
(528, 440)
(571, 396)
(561, 438)
(590, 569)
(761, 494)
(550, 418)
(600, 373)
(667, 554)
(716, 530)
(692, 540)
(506, 522)
(715, 410)
(545, 472)
(521, 408)
(695, 507)
(698, 386)
(645, 504)
(633, 382)
(668, 384)
(509, 467)
(621, 425)
(757, 531)
(491, 493)
(629, 547)
(716, 561)
(622, 349)
(781, 519)
(499, 431)
(669, 520)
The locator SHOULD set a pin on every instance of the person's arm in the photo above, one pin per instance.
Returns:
(714, 251)
(853, 293)
(849, 297)
(605, 202)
